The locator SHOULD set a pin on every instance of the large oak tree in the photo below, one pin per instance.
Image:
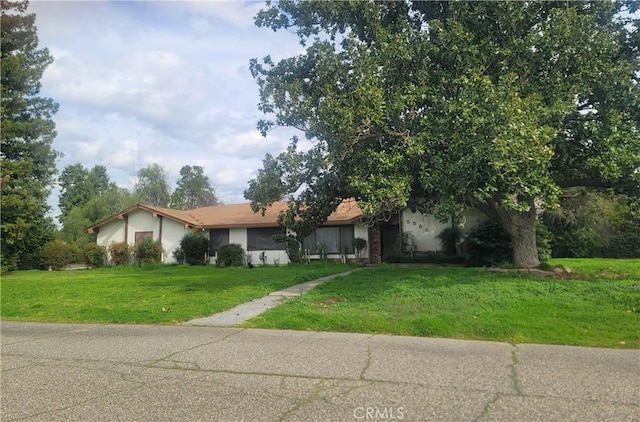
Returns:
(27, 131)
(443, 105)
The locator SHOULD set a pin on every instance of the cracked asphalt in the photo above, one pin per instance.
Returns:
(166, 373)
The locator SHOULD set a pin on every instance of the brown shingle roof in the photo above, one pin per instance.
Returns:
(236, 215)
(241, 215)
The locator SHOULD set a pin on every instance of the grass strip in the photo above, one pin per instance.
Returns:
(598, 304)
(155, 294)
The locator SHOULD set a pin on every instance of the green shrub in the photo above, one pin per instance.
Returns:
(179, 255)
(57, 254)
(591, 224)
(148, 251)
(543, 242)
(231, 255)
(195, 247)
(406, 243)
(625, 243)
(358, 245)
(120, 253)
(449, 240)
(293, 247)
(94, 255)
(489, 244)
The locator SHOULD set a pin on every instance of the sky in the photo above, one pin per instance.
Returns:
(166, 82)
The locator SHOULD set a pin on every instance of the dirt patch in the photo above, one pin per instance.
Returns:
(327, 302)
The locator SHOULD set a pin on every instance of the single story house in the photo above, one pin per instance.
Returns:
(237, 223)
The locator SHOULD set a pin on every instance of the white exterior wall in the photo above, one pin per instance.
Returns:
(172, 234)
(271, 255)
(239, 236)
(143, 221)
(425, 228)
(111, 232)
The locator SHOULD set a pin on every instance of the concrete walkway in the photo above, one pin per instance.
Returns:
(245, 311)
(88, 372)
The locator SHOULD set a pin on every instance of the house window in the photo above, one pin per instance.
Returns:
(334, 239)
(217, 238)
(262, 239)
(139, 236)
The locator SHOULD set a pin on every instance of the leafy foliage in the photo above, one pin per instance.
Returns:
(94, 255)
(79, 185)
(97, 208)
(26, 134)
(152, 186)
(293, 247)
(120, 253)
(590, 223)
(193, 189)
(358, 245)
(488, 244)
(57, 254)
(495, 105)
(179, 255)
(450, 239)
(231, 255)
(406, 244)
(193, 248)
(148, 251)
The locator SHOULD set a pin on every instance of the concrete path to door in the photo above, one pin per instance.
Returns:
(245, 311)
(86, 372)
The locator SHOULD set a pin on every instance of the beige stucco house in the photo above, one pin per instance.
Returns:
(237, 223)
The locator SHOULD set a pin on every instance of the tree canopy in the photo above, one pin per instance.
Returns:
(193, 189)
(152, 186)
(26, 133)
(79, 184)
(444, 105)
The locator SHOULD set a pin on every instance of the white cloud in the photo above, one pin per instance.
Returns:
(165, 82)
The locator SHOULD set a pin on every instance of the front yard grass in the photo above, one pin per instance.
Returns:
(156, 294)
(597, 305)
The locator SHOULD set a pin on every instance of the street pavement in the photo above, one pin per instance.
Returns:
(88, 372)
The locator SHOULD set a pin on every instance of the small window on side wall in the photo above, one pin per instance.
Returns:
(140, 236)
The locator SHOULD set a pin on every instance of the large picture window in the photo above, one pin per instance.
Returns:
(261, 239)
(334, 239)
(217, 238)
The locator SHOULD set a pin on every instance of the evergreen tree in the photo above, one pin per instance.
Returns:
(27, 131)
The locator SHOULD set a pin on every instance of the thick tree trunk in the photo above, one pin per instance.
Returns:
(521, 226)
(523, 234)
(522, 229)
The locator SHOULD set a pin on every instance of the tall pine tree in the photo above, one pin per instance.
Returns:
(27, 131)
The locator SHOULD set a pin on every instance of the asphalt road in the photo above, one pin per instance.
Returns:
(171, 373)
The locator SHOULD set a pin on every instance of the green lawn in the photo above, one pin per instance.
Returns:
(144, 295)
(598, 305)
